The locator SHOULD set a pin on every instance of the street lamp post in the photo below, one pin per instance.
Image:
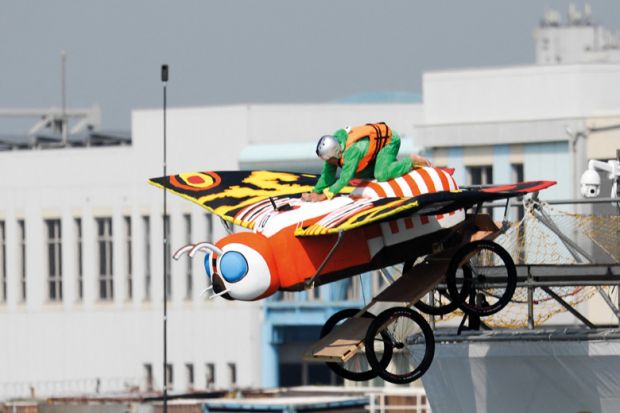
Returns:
(164, 79)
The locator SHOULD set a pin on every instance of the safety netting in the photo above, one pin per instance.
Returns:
(549, 236)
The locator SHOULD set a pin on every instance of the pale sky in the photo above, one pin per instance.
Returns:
(249, 51)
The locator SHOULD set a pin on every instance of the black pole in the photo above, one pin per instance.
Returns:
(164, 79)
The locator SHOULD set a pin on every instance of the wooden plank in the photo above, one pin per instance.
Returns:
(484, 222)
(425, 276)
(342, 343)
(486, 228)
(413, 285)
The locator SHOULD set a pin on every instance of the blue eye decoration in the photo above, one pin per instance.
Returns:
(233, 266)
(208, 267)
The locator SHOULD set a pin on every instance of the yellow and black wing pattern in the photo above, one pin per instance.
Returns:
(361, 212)
(237, 196)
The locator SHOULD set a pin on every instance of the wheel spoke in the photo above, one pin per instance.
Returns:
(493, 277)
(403, 323)
(357, 368)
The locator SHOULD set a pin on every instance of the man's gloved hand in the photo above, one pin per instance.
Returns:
(313, 197)
(419, 161)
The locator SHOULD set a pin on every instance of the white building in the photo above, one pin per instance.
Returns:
(525, 122)
(81, 253)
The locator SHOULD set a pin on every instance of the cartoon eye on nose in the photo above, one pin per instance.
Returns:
(236, 270)
(233, 266)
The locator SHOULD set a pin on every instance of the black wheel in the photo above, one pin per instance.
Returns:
(412, 340)
(491, 281)
(357, 368)
(438, 301)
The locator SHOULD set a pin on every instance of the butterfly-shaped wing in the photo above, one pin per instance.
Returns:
(237, 196)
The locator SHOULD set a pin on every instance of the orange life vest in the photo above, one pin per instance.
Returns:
(378, 134)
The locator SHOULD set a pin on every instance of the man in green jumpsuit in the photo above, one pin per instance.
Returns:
(381, 164)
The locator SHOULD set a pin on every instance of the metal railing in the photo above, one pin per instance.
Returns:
(546, 277)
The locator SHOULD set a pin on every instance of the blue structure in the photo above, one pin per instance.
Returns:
(292, 321)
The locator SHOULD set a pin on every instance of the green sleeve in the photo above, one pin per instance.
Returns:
(328, 174)
(328, 177)
(352, 157)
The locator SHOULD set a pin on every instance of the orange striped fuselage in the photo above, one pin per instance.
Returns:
(291, 260)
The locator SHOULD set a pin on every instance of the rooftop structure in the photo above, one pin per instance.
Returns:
(578, 40)
(60, 128)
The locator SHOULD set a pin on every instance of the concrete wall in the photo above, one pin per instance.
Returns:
(57, 345)
(520, 93)
(306, 123)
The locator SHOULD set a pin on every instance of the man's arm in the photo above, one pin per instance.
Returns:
(352, 157)
(327, 178)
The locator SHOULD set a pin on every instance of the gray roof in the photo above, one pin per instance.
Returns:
(50, 140)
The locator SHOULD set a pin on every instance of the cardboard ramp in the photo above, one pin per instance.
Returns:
(342, 343)
(413, 285)
(346, 339)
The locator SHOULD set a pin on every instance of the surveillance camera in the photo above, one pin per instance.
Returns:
(590, 184)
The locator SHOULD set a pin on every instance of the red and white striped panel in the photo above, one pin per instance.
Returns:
(418, 181)
(405, 229)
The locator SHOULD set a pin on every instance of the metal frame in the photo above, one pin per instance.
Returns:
(583, 274)
(309, 283)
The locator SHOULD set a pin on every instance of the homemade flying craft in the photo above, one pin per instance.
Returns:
(418, 220)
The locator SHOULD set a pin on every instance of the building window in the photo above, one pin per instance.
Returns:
(209, 234)
(189, 371)
(354, 290)
(314, 294)
(128, 258)
(210, 375)
(169, 377)
(518, 176)
(380, 280)
(2, 262)
(21, 225)
(54, 259)
(168, 254)
(189, 286)
(79, 256)
(146, 221)
(288, 296)
(148, 377)
(480, 175)
(517, 172)
(232, 374)
(106, 258)
(209, 238)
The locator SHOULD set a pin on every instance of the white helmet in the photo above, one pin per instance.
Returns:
(328, 147)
